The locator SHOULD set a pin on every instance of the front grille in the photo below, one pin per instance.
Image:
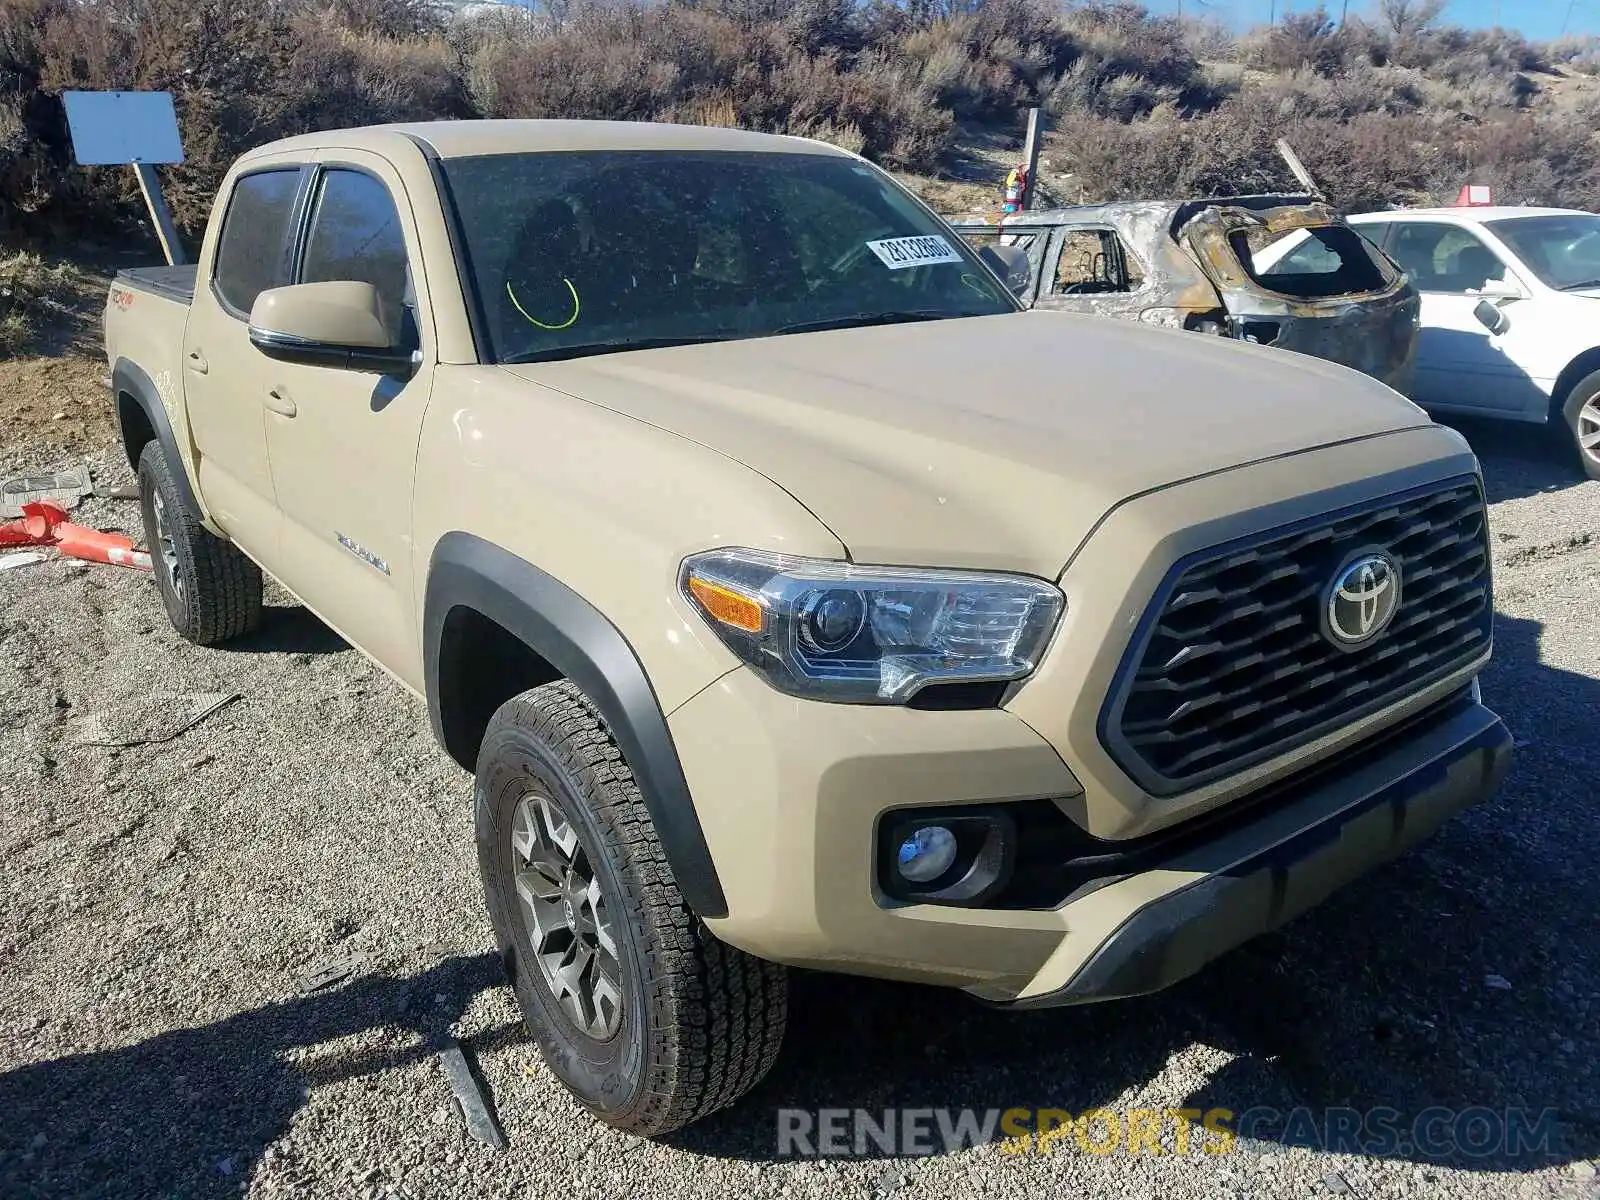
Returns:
(1230, 666)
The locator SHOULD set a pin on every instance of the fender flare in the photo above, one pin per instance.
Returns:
(584, 646)
(130, 380)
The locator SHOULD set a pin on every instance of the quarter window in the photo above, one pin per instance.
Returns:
(356, 235)
(250, 252)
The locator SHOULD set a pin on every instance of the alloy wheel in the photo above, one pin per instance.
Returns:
(565, 914)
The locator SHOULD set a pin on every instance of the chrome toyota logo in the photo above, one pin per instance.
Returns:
(1362, 600)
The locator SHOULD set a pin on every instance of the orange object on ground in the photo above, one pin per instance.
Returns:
(46, 524)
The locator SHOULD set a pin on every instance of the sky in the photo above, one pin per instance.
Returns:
(1534, 18)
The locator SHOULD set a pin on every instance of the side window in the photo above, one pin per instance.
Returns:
(250, 249)
(356, 235)
(1444, 258)
(1094, 262)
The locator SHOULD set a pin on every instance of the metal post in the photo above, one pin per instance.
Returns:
(160, 216)
(1030, 155)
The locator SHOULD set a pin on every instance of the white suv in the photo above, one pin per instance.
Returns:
(1510, 311)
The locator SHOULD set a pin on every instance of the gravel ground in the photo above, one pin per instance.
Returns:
(160, 901)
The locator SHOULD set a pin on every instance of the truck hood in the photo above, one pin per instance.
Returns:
(990, 442)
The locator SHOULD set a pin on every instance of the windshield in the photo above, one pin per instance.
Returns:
(1562, 250)
(577, 253)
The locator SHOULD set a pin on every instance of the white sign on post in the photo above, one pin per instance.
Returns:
(130, 128)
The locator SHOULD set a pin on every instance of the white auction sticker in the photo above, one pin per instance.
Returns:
(898, 253)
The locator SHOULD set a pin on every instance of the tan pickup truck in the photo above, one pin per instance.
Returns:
(796, 596)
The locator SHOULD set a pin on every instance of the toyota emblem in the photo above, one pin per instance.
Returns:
(1362, 599)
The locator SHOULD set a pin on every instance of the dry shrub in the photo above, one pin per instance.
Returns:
(1390, 108)
(1366, 162)
(634, 63)
(30, 293)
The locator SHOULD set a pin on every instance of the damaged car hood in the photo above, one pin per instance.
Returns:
(993, 442)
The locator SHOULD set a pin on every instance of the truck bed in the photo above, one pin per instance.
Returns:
(173, 283)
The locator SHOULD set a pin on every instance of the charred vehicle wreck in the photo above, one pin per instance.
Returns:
(1191, 265)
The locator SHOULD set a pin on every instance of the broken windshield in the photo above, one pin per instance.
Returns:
(623, 249)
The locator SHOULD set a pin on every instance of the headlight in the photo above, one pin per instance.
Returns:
(869, 635)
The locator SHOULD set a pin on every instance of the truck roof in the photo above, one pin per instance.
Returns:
(465, 139)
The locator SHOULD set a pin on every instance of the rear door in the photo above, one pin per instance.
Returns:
(343, 443)
(222, 371)
(1089, 269)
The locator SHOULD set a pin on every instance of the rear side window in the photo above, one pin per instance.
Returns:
(250, 252)
(355, 235)
(1444, 258)
(1094, 262)
(1332, 260)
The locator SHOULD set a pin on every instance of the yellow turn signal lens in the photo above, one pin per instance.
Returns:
(728, 606)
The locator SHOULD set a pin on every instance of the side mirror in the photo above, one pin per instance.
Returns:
(1491, 318)
(1011, 264)
(339, 325)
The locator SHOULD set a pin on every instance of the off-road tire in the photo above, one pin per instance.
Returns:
(219, 596)
(1580, 414)
(700, 1022)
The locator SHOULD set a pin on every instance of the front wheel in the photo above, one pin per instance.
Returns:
(649, 1020)
(1582, 418)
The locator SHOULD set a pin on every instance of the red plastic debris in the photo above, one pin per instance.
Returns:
(46, 524)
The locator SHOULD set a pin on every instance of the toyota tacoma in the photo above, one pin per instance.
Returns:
(798, 597)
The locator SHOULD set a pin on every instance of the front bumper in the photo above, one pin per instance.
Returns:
(1306, 851)
(791, 794)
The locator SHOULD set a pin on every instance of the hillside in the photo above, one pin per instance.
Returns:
(1398, 108)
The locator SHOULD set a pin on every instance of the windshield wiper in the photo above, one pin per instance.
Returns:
(557, 353)
(899, 317)
(1575, 287)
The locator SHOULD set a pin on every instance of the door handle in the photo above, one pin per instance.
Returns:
(279, 402)
(197, 362)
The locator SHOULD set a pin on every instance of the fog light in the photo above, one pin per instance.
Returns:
(927, 854)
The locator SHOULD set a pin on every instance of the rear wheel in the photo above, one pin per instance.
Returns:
(649, 1020)
(211, 591)
(1582, 419)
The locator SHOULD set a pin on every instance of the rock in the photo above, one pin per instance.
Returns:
(1336, 1183)
(1498, 982)
(1583, 1169)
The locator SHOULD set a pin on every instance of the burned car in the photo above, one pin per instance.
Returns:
(1191, 265)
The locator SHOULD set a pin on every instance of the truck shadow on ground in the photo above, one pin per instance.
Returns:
(290, 629)
(1519, 460)
(1449, 988)
(189, 1112)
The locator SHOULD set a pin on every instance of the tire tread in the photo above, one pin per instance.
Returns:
(718, 1013)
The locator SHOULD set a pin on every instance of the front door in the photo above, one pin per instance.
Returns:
(1460, 365)
(222, 371)
(343, 443)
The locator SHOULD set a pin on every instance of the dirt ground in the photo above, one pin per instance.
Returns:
(159, 902)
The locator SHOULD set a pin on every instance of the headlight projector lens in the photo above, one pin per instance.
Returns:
(832, 620)
(927, 854)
